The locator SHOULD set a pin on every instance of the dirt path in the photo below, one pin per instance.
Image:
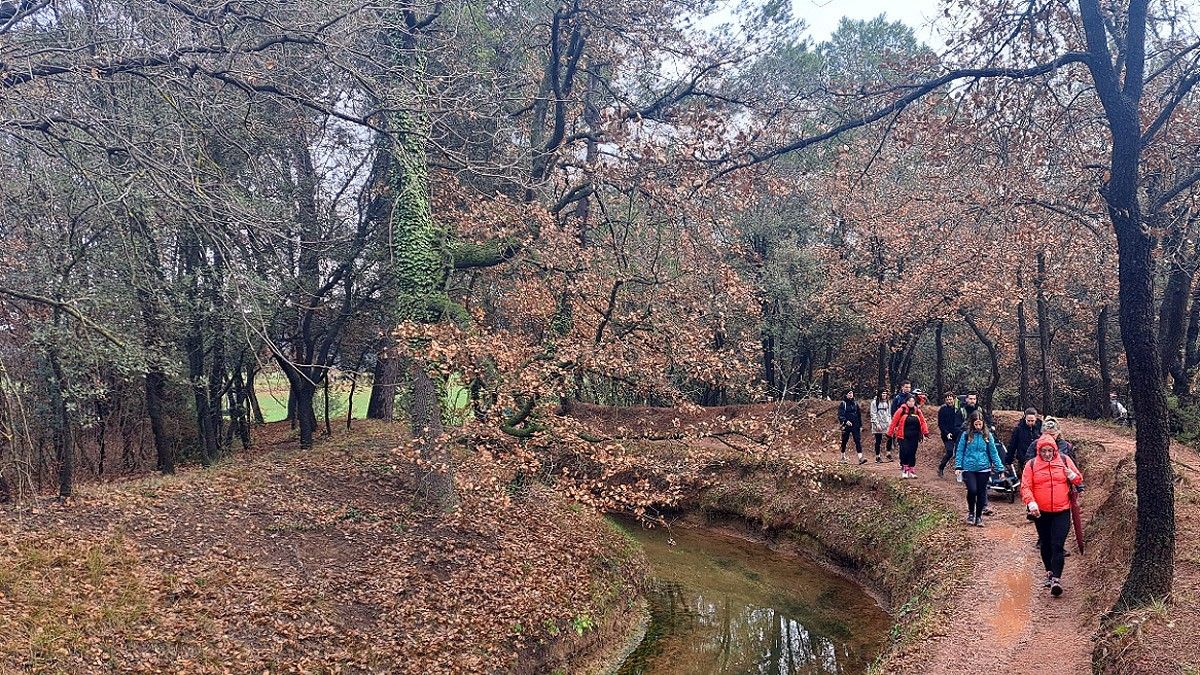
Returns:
(1003, 616)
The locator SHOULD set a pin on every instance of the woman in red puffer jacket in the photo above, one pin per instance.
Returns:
(1046, 486)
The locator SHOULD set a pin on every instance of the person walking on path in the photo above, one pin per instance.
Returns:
(850, 419)
(950, 424)
(1046, 488)
(1027, 431)
(897, 401)
(1051, 426)
(881, 417)
(971, 406)
(975, 459)
(908, 427)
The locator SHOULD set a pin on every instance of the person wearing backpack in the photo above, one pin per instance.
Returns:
(881, 417)
(908, 427)
(850, 420)
(1046, 487)
(975, 459)
(950, 424)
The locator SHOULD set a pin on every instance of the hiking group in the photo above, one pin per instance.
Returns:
(1038, 464)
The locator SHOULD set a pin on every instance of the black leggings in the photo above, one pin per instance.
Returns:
(847, 433)
(1052, 529)
(977, 484)
(879, 443)
(908, 453)
(951, 447)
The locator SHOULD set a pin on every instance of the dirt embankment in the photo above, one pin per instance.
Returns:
(313, 561)
(1162, 638)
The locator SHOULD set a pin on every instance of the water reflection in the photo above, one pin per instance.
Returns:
(722, 605)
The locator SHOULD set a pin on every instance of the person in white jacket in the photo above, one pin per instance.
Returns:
(881, 417)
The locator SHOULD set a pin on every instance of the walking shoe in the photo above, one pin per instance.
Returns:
(1055, 588)
(970, 519)
(1049, 578)
(878, 459)
(842, 460)
(987, 511)
(889, 456)
(861, 460)
(979, 521)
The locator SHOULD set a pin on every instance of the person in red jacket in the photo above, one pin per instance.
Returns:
(1046, 486)
(909, 427)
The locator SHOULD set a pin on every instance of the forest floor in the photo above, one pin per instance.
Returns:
(307, 561)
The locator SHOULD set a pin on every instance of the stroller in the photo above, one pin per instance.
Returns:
(1005, 483)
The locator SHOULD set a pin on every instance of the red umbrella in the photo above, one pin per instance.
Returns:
(1075, 518)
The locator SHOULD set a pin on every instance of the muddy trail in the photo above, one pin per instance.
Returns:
(1002, 616)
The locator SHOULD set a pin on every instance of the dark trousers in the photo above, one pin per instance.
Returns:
(908, 453)
(847, 432)
(1052, 529)
(977, 484)
(951, 447)
(879, 443)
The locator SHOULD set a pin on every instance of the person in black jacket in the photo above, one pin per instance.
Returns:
(1024, 435)
(850, 419)
(950, 424)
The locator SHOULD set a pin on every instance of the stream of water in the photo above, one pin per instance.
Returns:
(720, 604)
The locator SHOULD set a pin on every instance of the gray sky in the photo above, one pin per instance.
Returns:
(822, 16)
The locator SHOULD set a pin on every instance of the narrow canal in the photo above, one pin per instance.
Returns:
(720, 604)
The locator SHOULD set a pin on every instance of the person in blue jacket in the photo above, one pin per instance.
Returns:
(974, 462)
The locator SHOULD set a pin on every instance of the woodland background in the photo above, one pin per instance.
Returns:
(518, 207)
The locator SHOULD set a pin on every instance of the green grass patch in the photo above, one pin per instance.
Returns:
(272, 390)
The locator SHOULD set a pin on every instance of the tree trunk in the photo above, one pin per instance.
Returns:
(304, 392)
(101, 433)
(1106, 381)
(435, 485)
(993, 355)
(1171, 316)
(252, 395)
(239, 398)
(825, 384)
(1043, 313)
(156, 388)
(1022, 355)
(1152, 568)
(881, 367)
(64, 444)
(387, 373)
(939, 377)
(768, 349)
(1191, 351)
(325, 388)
